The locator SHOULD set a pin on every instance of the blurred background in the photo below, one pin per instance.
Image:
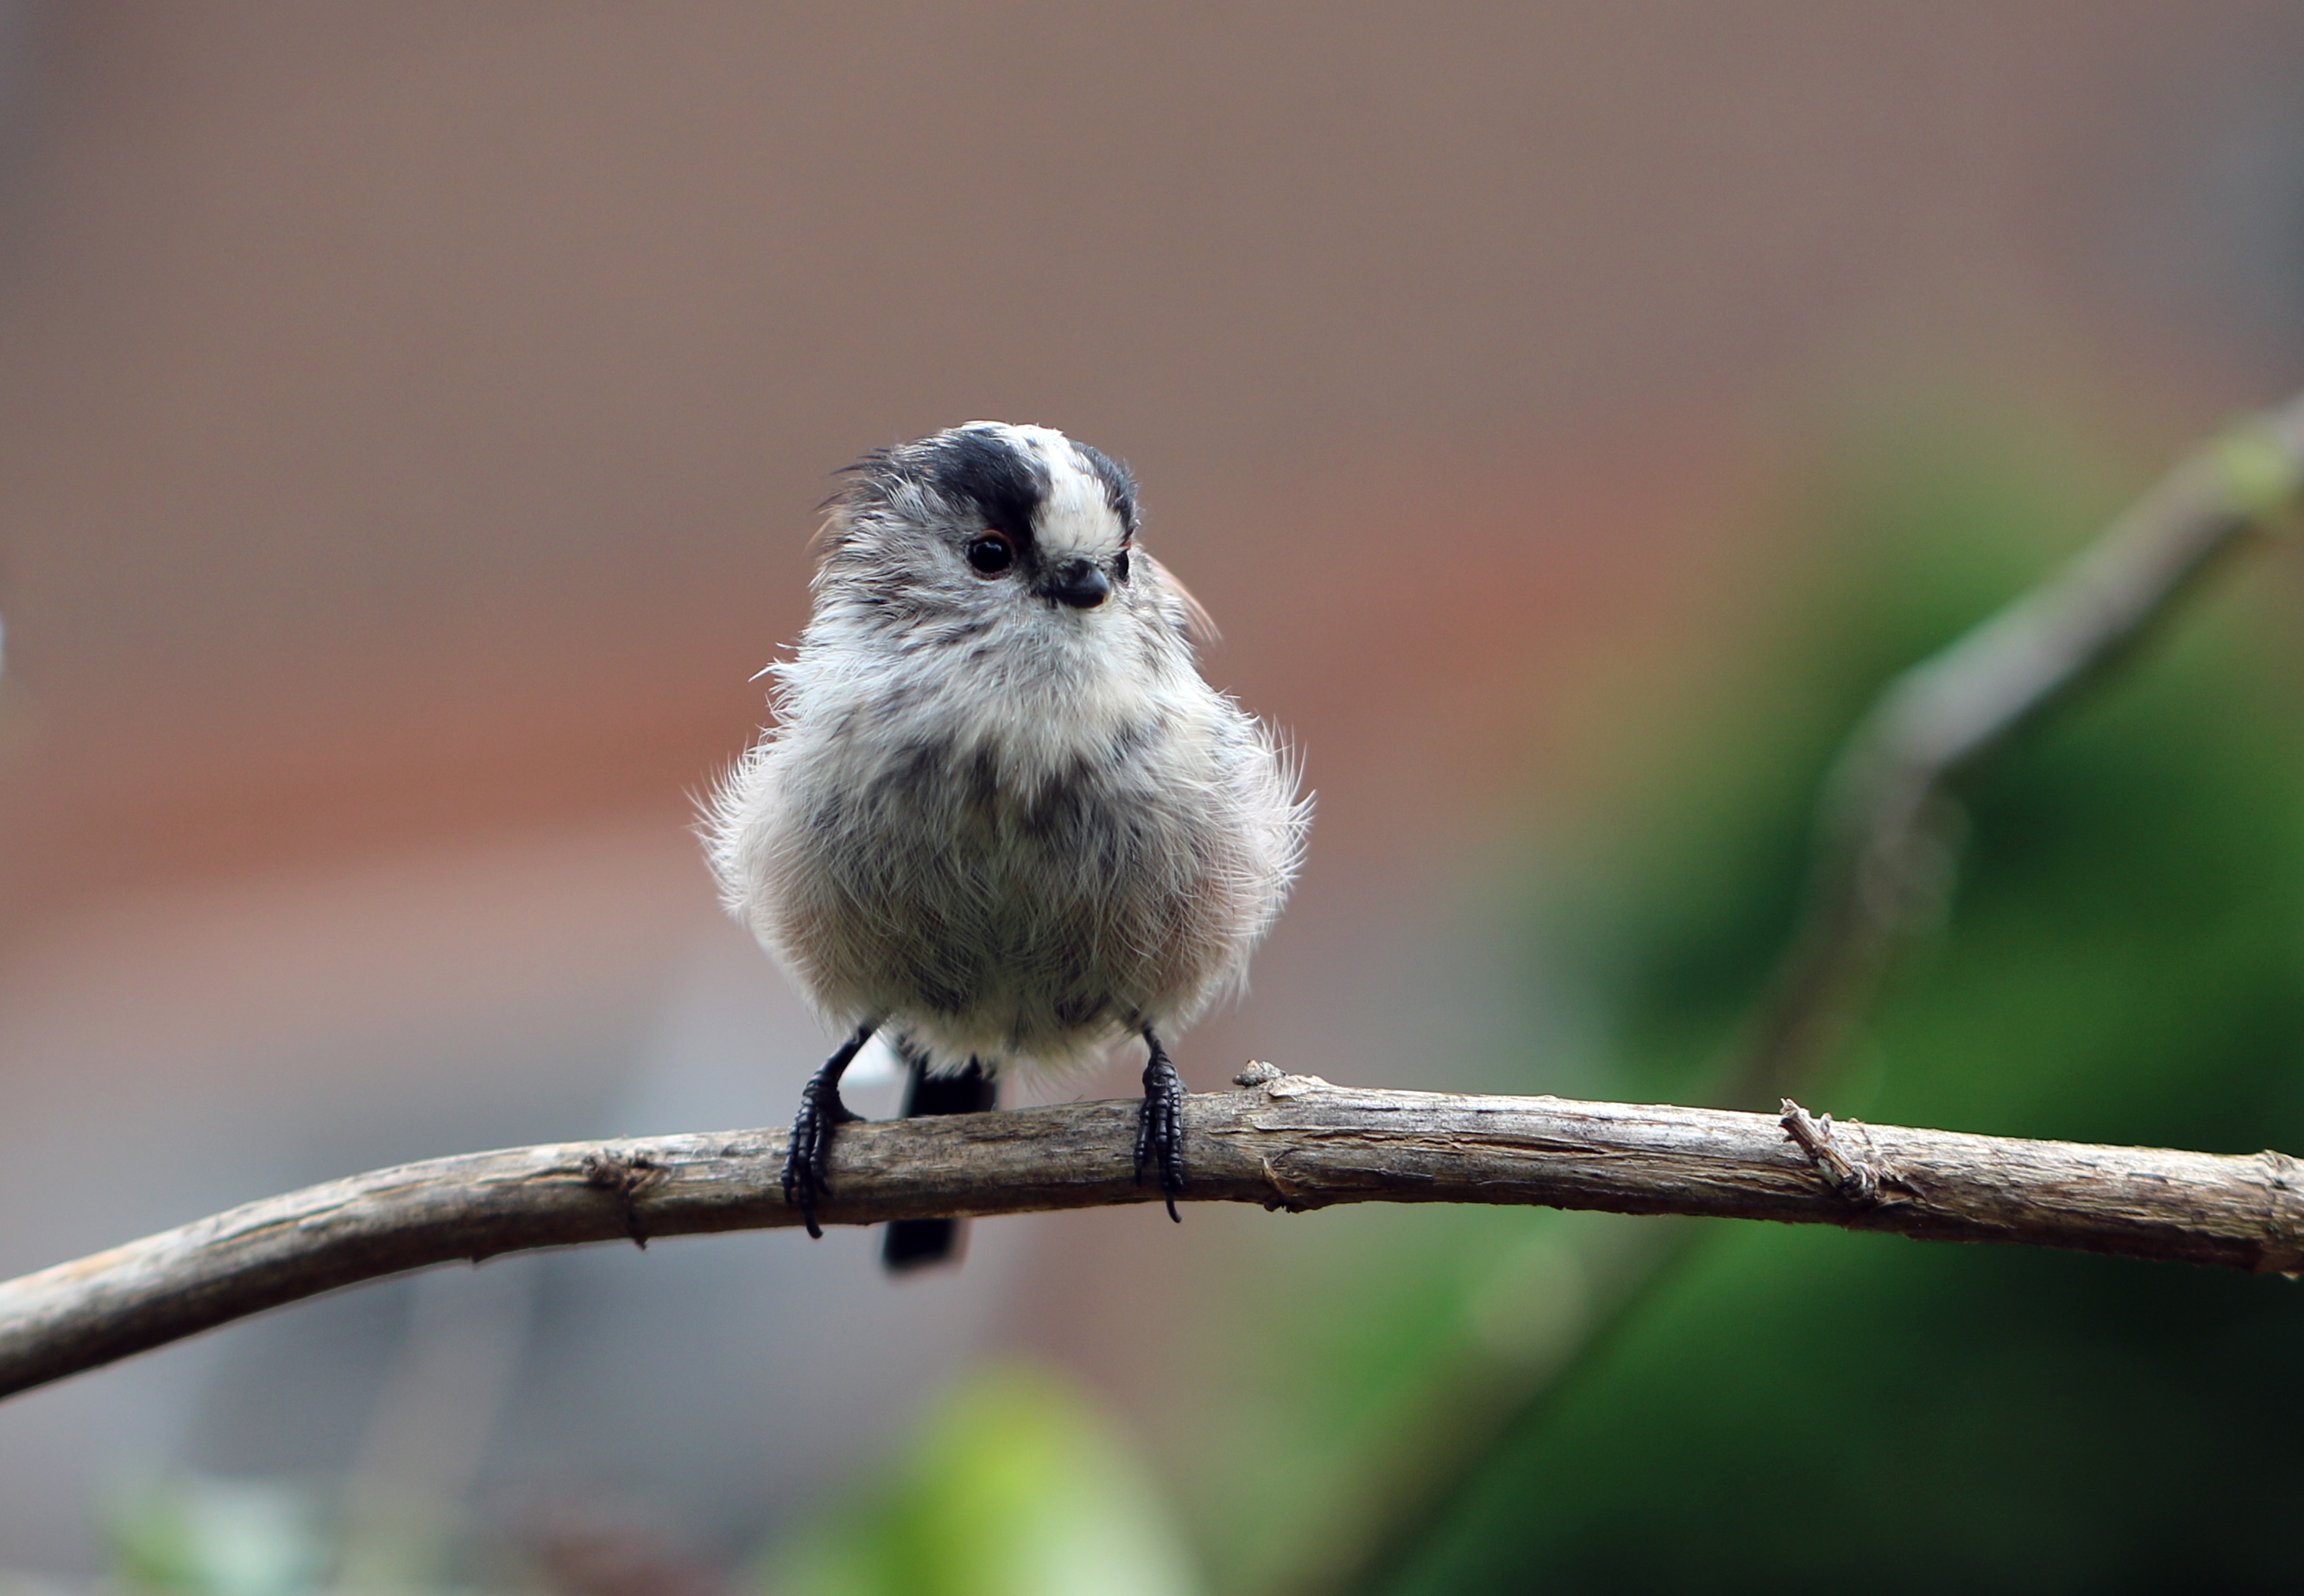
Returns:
(411, 418)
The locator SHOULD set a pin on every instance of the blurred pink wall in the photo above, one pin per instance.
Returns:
(410, 416)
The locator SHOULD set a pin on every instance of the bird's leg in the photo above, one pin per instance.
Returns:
(1160, 1131)
(821, 1112)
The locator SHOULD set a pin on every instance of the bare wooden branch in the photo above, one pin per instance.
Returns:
(1292, 1142)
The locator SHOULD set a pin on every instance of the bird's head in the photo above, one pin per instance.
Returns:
(991, 533)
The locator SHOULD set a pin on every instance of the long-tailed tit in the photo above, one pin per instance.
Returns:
(1000, 816)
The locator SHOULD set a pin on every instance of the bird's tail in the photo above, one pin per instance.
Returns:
(914, 1244)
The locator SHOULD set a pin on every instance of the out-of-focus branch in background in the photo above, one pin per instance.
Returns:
(1884, 854)
(1883, 860)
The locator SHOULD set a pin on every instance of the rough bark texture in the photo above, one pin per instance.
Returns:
(1291, 1142)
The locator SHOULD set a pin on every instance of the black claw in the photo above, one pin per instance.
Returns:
(1160, 1128)
(821, 1112)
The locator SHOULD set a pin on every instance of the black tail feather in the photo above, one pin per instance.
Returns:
(915, 1244)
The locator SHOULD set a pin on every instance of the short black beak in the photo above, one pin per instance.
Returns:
(1079, 583)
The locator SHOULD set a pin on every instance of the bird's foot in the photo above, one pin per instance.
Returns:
(1160, 1131)
(808, 1160)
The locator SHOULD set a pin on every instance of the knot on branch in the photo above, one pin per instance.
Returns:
(1288, 1195)
(626, 1177)
(2284, 1225)
(1865, 1179)
(1275, 1081)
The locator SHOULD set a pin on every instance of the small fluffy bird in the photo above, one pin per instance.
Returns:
(1000, 818)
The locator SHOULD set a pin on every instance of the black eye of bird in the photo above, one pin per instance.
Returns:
(991, 554)
(1120, 566)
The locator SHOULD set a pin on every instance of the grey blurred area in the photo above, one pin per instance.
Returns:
(411, 420)
(687, 1384)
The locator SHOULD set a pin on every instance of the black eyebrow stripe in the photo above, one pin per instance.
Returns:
(1006, 486)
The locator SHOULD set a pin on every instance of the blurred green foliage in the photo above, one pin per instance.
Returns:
(2123, 961)
(189, 1535)
(1015, 1487)
(1695, 875)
